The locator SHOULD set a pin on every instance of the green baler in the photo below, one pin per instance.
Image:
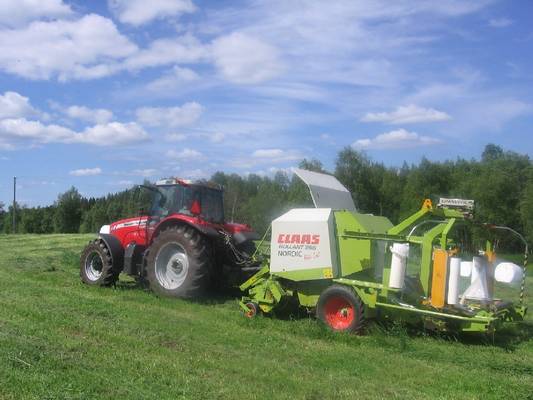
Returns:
(349, 267)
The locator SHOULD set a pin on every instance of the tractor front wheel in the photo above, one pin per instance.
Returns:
(96, 265)
(178, 263)
(341, 309)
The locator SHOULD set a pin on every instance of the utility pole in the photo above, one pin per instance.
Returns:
(14, 204)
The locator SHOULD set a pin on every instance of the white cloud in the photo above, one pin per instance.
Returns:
(98, 115)
(185, 154)
(17, 12)
(110, 134)
(491, 114)
(270, 156)
(187, 114)
(86, 172)
(23, 129)
(197, 173)
(13, 105)
(6, 147)
(245, 59)
(267, 153)
(144, 172)
(407, 115)
(500, 22)
(175, 137)
(398, 139)
(86, 48)
(178, 50)
(139, 12)
(177, 78)
(217, 137)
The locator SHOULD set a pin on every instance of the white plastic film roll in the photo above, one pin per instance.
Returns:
(466, 268)
(478, 265)
(507, 272)
(400, 252)
(478, 289)
(453, 280)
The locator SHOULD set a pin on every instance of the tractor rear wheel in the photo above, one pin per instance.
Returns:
(178, 263)
(341, 309)
(96, 265)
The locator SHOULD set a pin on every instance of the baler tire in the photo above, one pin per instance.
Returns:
(196, 254)
(253, 310)
(341, 310)
(103, 273)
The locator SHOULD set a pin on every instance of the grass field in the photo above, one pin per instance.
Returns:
(60, 339)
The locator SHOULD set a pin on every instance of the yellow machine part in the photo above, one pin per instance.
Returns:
(438, 280)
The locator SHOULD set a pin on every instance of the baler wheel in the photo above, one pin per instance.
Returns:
(96, 265)
(341, 309)
(253, 309)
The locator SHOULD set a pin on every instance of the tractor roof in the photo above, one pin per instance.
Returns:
(187, 182)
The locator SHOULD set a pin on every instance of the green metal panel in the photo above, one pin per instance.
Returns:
(372, 224)
(309, 292)
(355, 253)
(306, 274)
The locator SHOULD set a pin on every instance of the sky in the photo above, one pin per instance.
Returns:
(104, 94)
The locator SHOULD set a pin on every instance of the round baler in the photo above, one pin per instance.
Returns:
(349, 267)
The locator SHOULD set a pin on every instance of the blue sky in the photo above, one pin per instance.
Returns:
(104, 94)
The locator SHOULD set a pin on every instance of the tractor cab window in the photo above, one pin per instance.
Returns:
(188, 200)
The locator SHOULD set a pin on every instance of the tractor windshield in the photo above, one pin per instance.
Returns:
(189, 200)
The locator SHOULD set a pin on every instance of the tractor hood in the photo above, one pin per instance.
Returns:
(128, 223)
(127, 230)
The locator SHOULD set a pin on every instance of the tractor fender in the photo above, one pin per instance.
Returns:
(208, 231)
(115, 248)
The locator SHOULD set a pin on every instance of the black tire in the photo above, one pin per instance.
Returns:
(341, 309)
(96, 265)
(178, 263)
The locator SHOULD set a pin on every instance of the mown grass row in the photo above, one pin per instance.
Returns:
(60, 339)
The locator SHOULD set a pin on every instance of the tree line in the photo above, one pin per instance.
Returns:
(501, 183)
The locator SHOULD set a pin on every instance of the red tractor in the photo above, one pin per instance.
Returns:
(180, 249)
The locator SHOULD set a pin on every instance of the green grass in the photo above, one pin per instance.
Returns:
(60, 339)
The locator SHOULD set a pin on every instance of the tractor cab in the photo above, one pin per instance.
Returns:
(174, 196)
